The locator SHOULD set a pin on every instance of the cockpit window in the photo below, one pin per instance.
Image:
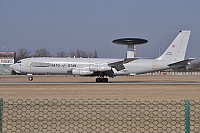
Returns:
(19, 61)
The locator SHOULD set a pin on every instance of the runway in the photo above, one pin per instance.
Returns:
(128, 80)
(95, 83)
(138, 87)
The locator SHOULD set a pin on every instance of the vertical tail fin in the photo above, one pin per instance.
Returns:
(177, 49)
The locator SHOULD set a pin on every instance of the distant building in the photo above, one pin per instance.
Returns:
(6, 59)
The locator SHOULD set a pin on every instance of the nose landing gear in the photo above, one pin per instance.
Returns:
(30, 78)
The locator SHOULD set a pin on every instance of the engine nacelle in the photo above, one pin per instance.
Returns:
(99, 68)
(82, 72)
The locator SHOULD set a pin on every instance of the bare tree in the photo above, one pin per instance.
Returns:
(72, 54)
(83, 54)
(22, 53)
(78, 53)
(195, 66)
(90, 54)
(42, 52)
(61, 54)
(95, 55)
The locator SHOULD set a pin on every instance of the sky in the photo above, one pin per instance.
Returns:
(89, 25)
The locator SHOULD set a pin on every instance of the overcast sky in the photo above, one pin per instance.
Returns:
(67, 25)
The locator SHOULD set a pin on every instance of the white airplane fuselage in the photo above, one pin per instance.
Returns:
(66, 65)
(173, 57)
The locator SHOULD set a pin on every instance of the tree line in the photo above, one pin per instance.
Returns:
(195, 66)
(43, 52)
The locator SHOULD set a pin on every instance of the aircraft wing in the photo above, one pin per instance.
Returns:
(119, 65)
(182, 63)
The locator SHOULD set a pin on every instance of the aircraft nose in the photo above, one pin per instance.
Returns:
(12, 66)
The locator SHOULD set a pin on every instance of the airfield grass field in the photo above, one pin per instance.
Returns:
(75, 90)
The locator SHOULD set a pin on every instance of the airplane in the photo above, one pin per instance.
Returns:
(173, 57)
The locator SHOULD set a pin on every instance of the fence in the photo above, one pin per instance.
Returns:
(173, 73)
(99, 116)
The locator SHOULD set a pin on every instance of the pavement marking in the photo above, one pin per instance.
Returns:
(109, 83)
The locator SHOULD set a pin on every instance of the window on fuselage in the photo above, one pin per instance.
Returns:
(19, 61)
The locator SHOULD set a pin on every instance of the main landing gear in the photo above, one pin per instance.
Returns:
(102, 80)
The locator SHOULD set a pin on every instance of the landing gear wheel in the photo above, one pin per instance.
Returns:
(30, 78)
(105, 80)
(97, 79)
(101, 79)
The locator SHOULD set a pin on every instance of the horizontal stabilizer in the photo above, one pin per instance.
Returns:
(40, 64)
(119, 64)
(182, 63)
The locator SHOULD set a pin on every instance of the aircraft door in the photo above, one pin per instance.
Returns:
(28, 64)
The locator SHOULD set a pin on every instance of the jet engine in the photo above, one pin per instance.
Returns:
(99, 68)
(82, 72)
